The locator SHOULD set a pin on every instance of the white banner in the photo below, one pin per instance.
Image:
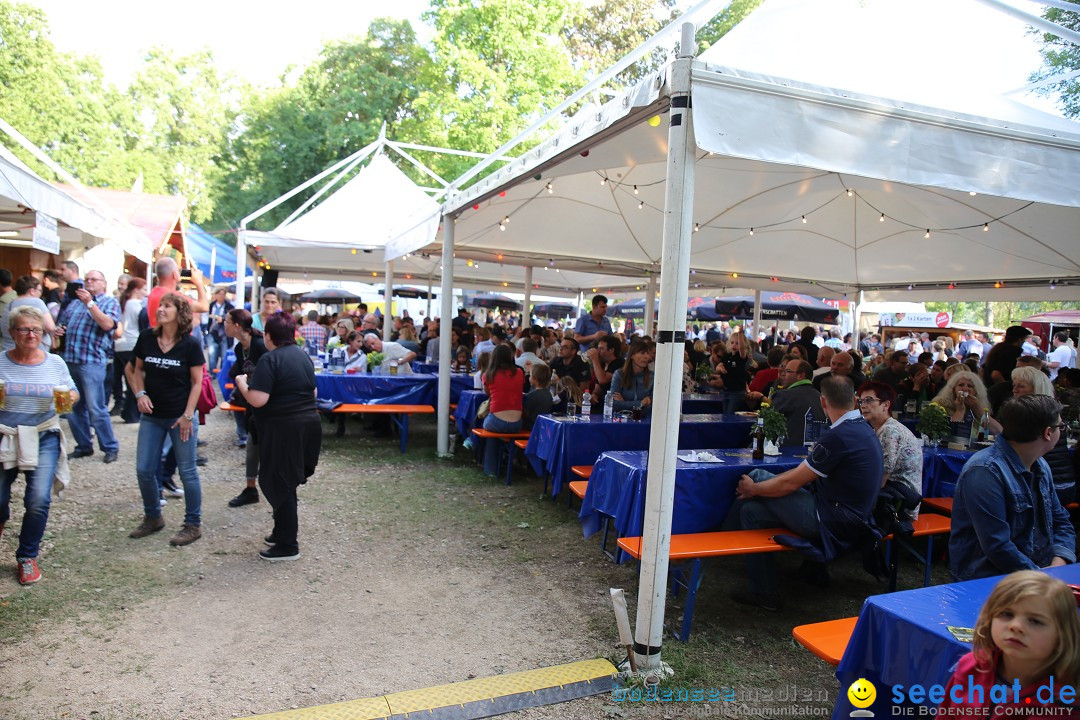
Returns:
(45, 236)
(926, 320)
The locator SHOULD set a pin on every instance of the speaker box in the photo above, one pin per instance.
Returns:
(269, 278)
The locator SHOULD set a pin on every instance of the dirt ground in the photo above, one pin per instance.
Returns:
(396, 590)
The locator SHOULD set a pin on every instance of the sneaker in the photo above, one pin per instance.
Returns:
(187, 535)
(28, 571)
(240, 443)
(765, 601)
(163, 502)
(200, 461)
(269, 540)
(468, 443)
(170, 489)
(247, 496)
(148, 526)
(200, 443)
(274, 554)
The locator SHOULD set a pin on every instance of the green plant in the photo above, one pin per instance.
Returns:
(775, 422)
(933, 422)
(374, 360)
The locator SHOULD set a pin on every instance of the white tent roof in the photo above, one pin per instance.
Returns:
(378, 204)
(23, 192)
(774, 150)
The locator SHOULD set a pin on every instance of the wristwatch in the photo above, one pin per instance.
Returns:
(91, 304)
(189, 418)
(140, 394)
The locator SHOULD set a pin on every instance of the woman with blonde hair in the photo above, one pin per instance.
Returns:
(1064, 468)
(964, 399)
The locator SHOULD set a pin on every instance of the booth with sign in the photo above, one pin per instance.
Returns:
(900, 326)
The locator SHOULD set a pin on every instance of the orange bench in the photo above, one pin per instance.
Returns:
(224, 405)
(508, 439)
(828, 639)
(940, 504)
(697, 546)
(399, 414)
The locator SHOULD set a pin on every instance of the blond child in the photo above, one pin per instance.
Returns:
(1027, 636)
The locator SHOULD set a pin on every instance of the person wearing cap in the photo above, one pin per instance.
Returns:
(1002, 358)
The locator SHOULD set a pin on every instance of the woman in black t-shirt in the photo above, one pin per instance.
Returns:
(249, 348)
(286, 427)
(167, 380)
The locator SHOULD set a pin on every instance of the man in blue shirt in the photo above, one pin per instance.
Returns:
(829, 496)
(595, 325)
(1006, 514)
(88, 322)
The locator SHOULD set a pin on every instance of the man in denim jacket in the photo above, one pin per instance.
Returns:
(1006, 515)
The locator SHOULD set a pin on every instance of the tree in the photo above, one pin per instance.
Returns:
(605, 32)
(1061, 57)
(728, 18)
(182, 112)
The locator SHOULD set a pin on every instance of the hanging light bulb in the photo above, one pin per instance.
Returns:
(1053, 284)
(927, 235)
(550, 187)
(734, 275)
(850, 192)
(751, 231)
(997, 285)
(952, 286)
(502, 227)
(469, 263)
(882, 218)
(910, 286)
(603, 180)
(654, 121)
(499, 257)
(986, 227)
(635, 190)
(640, 205)
(697, 226)
(804, 219)
(506, 219)
(353, 251)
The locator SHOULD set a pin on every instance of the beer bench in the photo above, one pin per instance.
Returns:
(399, 414)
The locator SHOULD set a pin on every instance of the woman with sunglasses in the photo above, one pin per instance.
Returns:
(31, 377)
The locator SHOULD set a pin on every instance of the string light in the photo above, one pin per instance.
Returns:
(734, 275)
(804, 219)
(850, 192)
(506, 219)
(927, 235)
(775, 279)
(697, 226)
(550, 187)
(353, 251)
(641, 205)
(603, 180)
(635, 190)
(997, 286)
(469, 263)
(882, 218)
(986, 227)
(952, 286)
(910, 287)
(499, 257)
(751, 231)
(972, 193)
(654, 121)
(1053, 284)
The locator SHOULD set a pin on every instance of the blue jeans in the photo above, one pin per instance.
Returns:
(492, 448)
(91, 409)
(216, 349)
(168, 457)
(796, 512)
(36, 499)
(152, 434)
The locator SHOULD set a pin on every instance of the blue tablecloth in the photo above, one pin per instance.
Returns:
(941, 469)
(423, 367)
(465, 414)
(408, 389)
(557, 443)
(703, 492)
(902, 638)
(702, 403)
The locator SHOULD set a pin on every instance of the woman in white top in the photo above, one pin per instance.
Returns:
(28, 289)
(355, 359)
(132, 301)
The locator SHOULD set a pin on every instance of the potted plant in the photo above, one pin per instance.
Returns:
(375, 360)
(775, 427)
(933, 423)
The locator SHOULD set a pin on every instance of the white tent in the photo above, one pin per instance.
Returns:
(825, 189)
(785, 183)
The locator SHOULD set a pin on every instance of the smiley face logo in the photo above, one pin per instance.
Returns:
(862, 693)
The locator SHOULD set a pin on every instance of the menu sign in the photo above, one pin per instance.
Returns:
(923, 319)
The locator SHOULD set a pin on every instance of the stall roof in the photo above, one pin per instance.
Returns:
(158, 217)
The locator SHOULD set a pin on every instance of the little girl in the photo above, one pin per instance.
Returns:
(1028, 631)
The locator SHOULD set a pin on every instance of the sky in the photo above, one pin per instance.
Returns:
(256, 41)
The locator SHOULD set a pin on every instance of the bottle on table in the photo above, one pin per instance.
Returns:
(759, 440)
(609, 406)
(586, 403)
(984, 425)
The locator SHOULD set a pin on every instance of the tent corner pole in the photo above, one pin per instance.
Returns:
(526, 304)
(447, 314)
(388, 306)
(757, 315)
(667, 398)
(650, 305)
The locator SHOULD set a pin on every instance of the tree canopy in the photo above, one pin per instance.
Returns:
(1059, 58)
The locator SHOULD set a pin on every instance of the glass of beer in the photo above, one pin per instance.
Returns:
(62, 399)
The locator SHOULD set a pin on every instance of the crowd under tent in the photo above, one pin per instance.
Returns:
(710, 169)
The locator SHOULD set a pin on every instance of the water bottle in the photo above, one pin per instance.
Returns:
(586, 404)
(609, 406)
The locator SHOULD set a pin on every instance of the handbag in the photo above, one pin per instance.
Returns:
(207, 397)
(483, 410)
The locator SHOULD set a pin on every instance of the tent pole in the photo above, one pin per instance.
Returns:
(856, 318)
(447, 315)
(388, 325)
(650, 305)
(429, 297)
(526, 306)
(757, 316)
(667, 398)
(213, 263)
(241, 269)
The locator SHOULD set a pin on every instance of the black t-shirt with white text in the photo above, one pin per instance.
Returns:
(168, 375)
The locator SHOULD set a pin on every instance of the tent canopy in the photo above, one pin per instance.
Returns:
(993, 183)
(774, 306)
(205, 251)
(494, 300)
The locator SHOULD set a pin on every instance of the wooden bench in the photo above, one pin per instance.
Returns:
(695, 547)
(399, 415)
(943, 505)
(828, 639)
(224, 405)
(506, 438)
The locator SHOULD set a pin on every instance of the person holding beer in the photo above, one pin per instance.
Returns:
(35, 388)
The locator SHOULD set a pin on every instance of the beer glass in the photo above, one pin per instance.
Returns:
(62, 399)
